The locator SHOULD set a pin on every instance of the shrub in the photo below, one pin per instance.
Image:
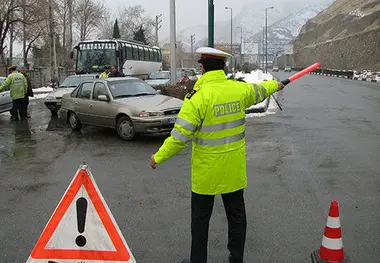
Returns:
(178, 91)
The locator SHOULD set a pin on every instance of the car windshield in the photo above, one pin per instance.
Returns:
(130, 88)
(159, 75)
(189, 73)
(180, 73)
(74, 81)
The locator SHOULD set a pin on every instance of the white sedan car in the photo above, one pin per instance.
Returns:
(53, 100)
(5, 98)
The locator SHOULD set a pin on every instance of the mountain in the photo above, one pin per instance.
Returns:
(283, 32)
(252, 19)
(345, 36)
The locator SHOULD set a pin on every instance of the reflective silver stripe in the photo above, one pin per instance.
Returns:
(179, 136)
(263, 91)
(187, 125)
(257, 93)
(222, 126)
(221, 141)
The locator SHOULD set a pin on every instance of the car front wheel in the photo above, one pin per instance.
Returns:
(125, 129)
(74, 122)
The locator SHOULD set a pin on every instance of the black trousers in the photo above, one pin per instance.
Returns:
(26, 105)
(18, 109)
(201, 210)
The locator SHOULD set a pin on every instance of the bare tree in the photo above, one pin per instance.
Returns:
(10, 14)
(33, 26)
(89, 16)
(65, 9)
(132, 19)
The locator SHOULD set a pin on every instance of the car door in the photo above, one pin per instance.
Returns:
(102, 113)
(82, 102)
(5, 100)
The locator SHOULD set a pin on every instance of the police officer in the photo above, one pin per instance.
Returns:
(107, 70)
(29, 93)
(18, 88)
(213, 118)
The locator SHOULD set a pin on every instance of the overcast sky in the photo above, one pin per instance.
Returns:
(188, 12)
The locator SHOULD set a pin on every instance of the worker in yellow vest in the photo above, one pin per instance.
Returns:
(105, 74)
(213, 119)
(18, 87)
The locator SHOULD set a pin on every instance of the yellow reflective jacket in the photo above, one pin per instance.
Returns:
(17, 85)
(213, 118)
(104, 75)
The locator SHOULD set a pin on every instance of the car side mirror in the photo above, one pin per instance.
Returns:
(103, 98)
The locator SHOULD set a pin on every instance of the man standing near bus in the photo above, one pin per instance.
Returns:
(115, 72)
(106, 72)
(29, 92)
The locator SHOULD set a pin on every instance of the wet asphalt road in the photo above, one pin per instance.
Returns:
(324, 145)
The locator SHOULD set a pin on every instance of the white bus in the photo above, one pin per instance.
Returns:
(132, 58)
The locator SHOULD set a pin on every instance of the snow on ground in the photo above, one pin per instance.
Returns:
(43, 89)
(41, 93)
(39, 96)
(257, 76)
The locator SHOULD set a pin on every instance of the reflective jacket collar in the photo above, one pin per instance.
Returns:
(211, 76)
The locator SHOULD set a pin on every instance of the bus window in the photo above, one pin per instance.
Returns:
(146, 53)
(135, 53)
(141, 53)
(129, 52)
(124, 53)
(159, 55)
(151, 56)
(154, 55)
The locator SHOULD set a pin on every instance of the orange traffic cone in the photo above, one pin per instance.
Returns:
(331, 250)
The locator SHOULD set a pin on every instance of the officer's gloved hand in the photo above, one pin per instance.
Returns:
(280, 86)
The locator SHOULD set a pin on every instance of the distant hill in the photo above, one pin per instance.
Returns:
(252, 19)
(345, 36)
(282, 32)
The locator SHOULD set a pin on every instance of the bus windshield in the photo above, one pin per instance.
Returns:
(94, 60)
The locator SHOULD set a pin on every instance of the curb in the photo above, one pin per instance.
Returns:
(346, 77)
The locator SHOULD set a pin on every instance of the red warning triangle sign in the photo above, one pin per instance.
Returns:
(82, 227)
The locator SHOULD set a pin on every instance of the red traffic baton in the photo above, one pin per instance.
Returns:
(301, 73)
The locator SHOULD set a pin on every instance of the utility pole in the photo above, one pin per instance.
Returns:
(70, 41)
(211, 23)
(241, 44)
(263, 50)
(173, 50)
(24, 35)
(232, 58)
(11, 41)
(192, 41)
(53, 59)
(158, 26)
(266, 38)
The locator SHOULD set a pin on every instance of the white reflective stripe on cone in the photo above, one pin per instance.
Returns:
(332, 243)
(333, 222)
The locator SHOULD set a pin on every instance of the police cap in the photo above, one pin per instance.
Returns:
(208, 52)
(12, 68)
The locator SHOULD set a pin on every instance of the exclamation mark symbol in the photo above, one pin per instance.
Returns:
(81, 220)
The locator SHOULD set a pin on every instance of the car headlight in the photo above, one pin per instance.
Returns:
(151, 113)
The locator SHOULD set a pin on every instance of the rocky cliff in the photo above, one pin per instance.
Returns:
(345, 36)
